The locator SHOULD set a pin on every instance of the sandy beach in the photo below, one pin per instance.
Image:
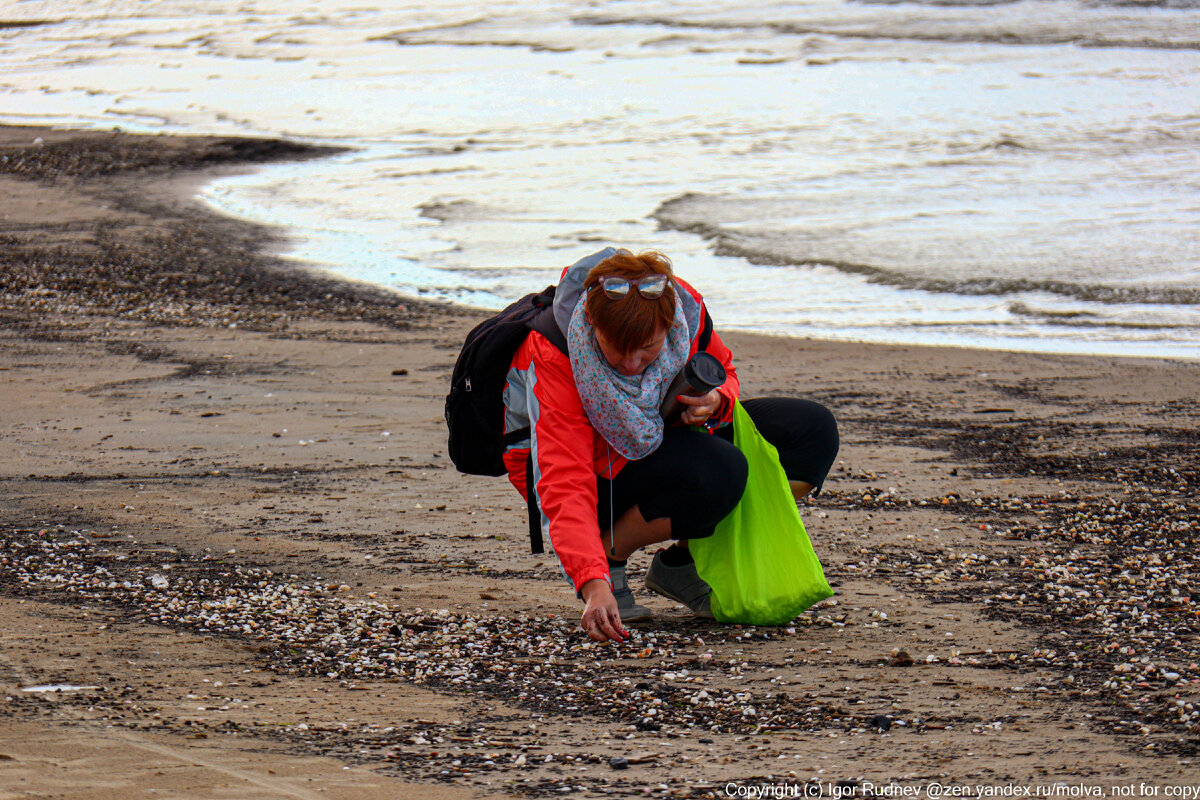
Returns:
(236, 562)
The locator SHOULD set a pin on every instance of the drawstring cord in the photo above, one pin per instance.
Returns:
(612, 523)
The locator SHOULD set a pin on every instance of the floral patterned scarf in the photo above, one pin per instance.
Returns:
(625, 408)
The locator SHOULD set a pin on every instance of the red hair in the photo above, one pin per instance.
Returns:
(633, 320)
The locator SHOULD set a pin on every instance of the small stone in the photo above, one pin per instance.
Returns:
(618, 763)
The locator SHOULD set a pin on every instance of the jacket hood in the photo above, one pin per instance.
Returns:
(570, 289)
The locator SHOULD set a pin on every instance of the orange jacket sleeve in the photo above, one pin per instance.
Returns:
(563, 444)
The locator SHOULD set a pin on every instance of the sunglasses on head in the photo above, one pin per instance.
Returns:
(651, 287)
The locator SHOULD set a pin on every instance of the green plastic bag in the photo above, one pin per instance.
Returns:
(759, 562)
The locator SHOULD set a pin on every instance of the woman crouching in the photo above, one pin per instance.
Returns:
(610, 476)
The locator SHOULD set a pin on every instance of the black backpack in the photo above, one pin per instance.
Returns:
(475, 404)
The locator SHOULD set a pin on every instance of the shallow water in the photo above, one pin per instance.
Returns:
(1021, 175)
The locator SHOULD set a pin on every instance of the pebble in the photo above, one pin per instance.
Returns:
(880, 723)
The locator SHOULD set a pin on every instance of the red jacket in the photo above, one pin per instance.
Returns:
(571, 454)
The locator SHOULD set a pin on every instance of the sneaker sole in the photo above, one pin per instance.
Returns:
(639, 616)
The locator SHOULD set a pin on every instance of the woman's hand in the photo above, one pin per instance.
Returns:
(700, 408)
(601, 618)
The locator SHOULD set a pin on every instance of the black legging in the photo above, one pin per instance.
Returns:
(696, 479)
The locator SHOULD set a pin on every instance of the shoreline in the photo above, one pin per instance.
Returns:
(260, 245)
(1009, 536)
(150, 188)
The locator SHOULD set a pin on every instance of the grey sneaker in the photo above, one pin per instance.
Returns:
(626, 603)
(681, 584)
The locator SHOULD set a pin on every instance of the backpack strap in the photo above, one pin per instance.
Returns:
(545, 324)
(531, 504)
(535, 513)
(706, 331)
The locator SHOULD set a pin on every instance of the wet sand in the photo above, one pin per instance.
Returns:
(227, 508)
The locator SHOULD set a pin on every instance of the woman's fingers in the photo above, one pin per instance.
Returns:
(601, 627)
(601, 618)
(613, 630)
(699, 409)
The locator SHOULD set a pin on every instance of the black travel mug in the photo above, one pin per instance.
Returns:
(699, 376)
